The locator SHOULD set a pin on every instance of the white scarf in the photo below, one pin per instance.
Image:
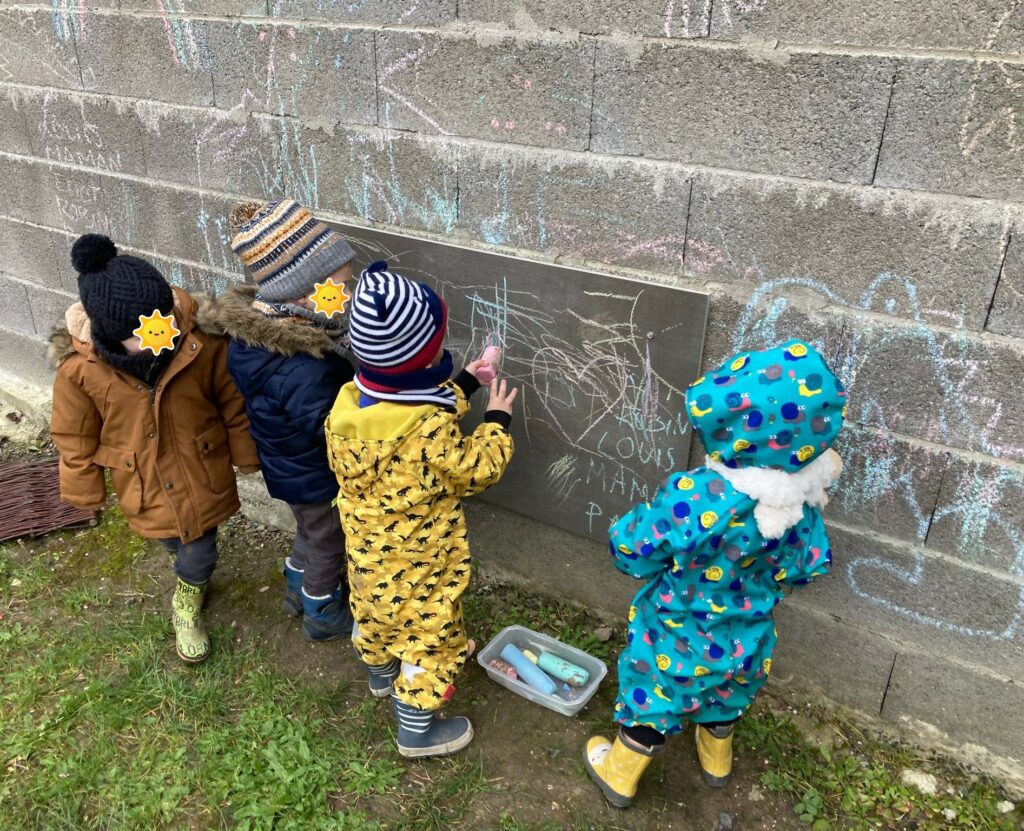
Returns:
(781, 496)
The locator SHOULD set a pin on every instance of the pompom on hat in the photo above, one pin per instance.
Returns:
(285, 248)
(116, 288)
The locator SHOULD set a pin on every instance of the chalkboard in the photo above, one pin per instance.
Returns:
(601, 363)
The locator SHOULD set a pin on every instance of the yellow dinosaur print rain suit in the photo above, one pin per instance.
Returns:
(402, 471)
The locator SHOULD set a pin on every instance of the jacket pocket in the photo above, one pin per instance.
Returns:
(124, 473)
(212, 446)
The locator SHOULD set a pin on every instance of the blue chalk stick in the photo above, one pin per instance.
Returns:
(528, 671)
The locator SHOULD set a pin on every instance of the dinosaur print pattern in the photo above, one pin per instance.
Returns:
(408, 552)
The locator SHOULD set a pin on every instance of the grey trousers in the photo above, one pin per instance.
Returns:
(319, 547)
(194, 561)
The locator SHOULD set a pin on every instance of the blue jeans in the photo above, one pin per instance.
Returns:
(194, 561)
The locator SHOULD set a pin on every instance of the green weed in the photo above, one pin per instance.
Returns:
(855, 783)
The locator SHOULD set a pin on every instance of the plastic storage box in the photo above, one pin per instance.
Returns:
(536, 642)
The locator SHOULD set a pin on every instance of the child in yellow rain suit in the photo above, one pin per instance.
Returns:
(403, 465)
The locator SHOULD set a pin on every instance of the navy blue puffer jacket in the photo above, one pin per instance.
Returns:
(289, 378)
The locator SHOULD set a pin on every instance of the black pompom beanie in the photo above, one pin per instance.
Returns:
(116, 288)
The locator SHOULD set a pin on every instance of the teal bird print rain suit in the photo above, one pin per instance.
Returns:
(718, 544)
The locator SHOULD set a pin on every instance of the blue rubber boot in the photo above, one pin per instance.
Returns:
(326, 618)
(423, 733)
(292, 603)
(382, 677)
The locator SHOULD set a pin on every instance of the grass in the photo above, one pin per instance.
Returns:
(101, 728)
(853, 781)
(494, 605)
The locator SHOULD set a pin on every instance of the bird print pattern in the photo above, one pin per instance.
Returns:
(701, 635)
(408, 551)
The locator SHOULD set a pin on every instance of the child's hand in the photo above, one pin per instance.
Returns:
(473, 367)
(501, 399)
(248, 470)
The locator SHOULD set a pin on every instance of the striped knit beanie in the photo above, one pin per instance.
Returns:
(396, 326)
(286, 250)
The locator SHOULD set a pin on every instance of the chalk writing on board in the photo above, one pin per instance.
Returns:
(602, 364)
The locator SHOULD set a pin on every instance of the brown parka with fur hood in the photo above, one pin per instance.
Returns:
(169, 448)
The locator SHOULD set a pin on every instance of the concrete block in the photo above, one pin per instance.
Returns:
(17, 312)
(895, 253)
(821, 652)
(931, 24)
(518, 93)
(1007, 315)
(739, 321)
(561, 205)
(182, 8)
(78, 201)
(258, 506)
(889, 485)
(574, 567)
(48, 308)
(923, 601)
(226, 150)
(17, 200)
(172, 221)
(647, 18)
(943, 387)
(381, 176)
(85, 130)
(193, 277)
(147, 57)
(39, 48)
(961, 705)
(818, 116)
(386, 12)
(60, 197)
(14, 135)
(320, 75)
(979, 516)
(24, 358)
(36, 255)
(952, 128)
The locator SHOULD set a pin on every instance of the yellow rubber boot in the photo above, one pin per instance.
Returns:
(617, 767)
(714, 750)
(190, 639)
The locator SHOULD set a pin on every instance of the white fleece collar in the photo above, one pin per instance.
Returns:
(781, 496)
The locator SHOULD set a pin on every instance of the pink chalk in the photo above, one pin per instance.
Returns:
(488, 372)
(504, 668)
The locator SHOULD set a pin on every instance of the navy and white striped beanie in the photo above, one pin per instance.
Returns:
(396, 326)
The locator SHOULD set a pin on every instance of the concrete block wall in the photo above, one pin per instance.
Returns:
(850, 174)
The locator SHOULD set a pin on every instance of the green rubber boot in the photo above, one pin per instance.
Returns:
(190, 639)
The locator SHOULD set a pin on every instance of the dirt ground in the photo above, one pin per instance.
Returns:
(528, 757)
(531, 755)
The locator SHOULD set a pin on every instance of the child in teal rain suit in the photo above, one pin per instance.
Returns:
(716, 547)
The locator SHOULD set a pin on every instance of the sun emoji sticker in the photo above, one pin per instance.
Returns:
(329, 298)
(156, 332)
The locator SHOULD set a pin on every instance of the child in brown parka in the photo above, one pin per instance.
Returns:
(167, 425)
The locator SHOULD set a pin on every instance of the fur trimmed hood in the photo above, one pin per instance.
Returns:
(781, 496)
(76, 333)
(232, 315)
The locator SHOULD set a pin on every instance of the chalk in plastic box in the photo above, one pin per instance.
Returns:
(536, 642)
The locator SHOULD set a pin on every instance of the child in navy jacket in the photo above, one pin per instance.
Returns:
(289, 360)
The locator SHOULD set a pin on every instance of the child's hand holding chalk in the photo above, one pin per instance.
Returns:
(488, 370)
(485, 368)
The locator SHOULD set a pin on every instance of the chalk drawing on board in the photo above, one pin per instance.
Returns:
(602, 363)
